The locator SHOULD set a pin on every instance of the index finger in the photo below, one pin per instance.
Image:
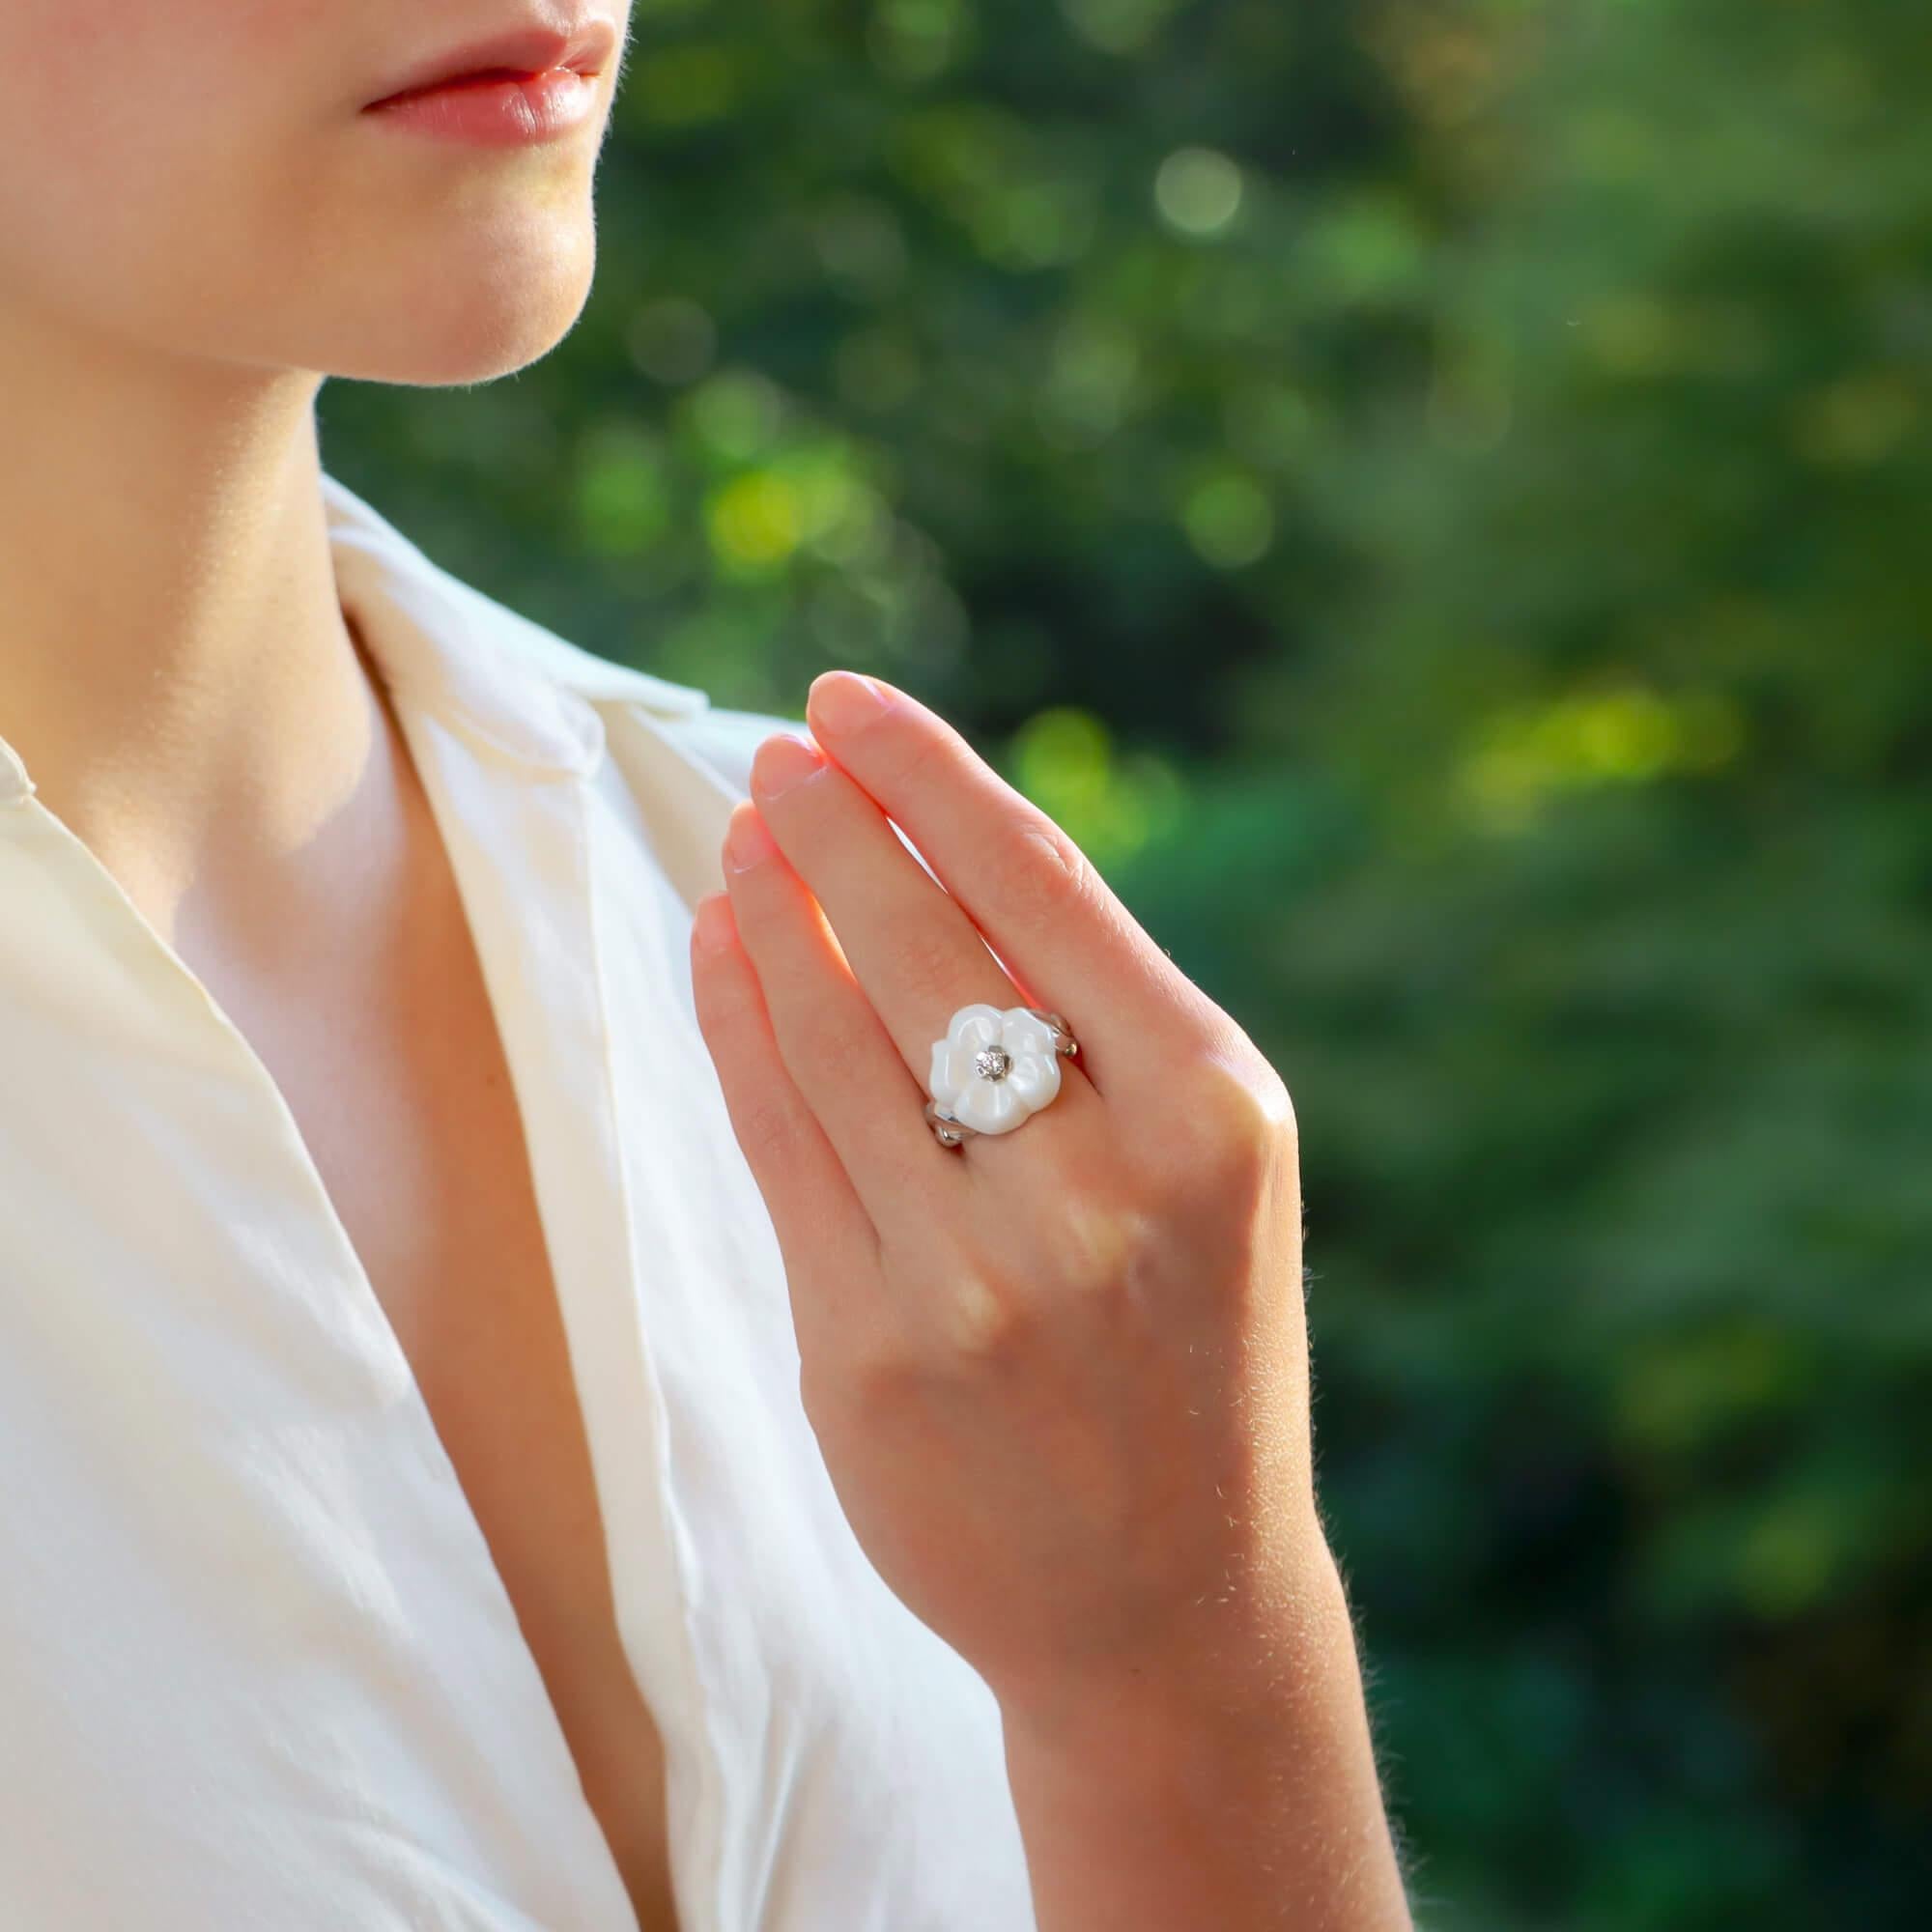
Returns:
(1056, 926)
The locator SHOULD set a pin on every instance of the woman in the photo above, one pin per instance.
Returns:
(511, 1416)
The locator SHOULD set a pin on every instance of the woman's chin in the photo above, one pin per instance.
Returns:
(456, 322)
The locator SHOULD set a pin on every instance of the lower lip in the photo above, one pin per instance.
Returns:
(498, 112)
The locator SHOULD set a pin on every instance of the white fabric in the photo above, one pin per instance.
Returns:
(258, 1670)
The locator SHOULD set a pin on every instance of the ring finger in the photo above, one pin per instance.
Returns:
(909, 945)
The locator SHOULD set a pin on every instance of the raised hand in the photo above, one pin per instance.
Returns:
(1058, 1375)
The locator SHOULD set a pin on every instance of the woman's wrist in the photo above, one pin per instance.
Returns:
(1238, 1790)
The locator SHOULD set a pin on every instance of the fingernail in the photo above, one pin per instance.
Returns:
(747, 842)
(782, 761)
(845, 699)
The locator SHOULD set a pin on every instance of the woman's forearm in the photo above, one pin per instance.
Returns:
(1252, 1808)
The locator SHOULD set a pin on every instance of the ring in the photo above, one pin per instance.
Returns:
(995, 1068)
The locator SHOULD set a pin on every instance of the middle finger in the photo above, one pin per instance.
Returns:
(909, 941)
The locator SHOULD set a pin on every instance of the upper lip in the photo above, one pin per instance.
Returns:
(532, 48)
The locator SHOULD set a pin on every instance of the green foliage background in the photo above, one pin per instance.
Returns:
(1436, 497)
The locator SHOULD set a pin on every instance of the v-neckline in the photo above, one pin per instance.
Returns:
(372, 1317)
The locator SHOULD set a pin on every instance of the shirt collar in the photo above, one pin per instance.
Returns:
(520, 690)
(505, 682)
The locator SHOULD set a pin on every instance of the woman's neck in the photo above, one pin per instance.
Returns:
(175, 671)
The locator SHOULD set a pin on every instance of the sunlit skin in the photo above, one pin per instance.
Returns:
(1058, 1375)
(197, 228)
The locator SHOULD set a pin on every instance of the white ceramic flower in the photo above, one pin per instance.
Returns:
(994, 1067)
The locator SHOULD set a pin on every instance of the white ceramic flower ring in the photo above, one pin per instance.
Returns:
(996, 1068)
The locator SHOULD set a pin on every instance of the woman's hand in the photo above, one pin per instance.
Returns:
(1059, 1376)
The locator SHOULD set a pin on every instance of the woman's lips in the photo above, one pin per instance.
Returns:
(586, 49)
(496, 110)
(524, 86)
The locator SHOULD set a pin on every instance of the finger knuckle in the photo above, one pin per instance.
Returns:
(1240, 1121)
(983, 1323)
(871, 1399)
(1043, 871)
(1093, 1240)
(767, 1132)
(870, 1382)
(814, 1396)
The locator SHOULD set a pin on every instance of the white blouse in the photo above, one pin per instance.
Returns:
(258, 1670)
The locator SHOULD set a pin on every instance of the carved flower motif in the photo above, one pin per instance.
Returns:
(994, 1067)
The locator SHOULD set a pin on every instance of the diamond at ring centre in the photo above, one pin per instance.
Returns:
(992, 1062)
